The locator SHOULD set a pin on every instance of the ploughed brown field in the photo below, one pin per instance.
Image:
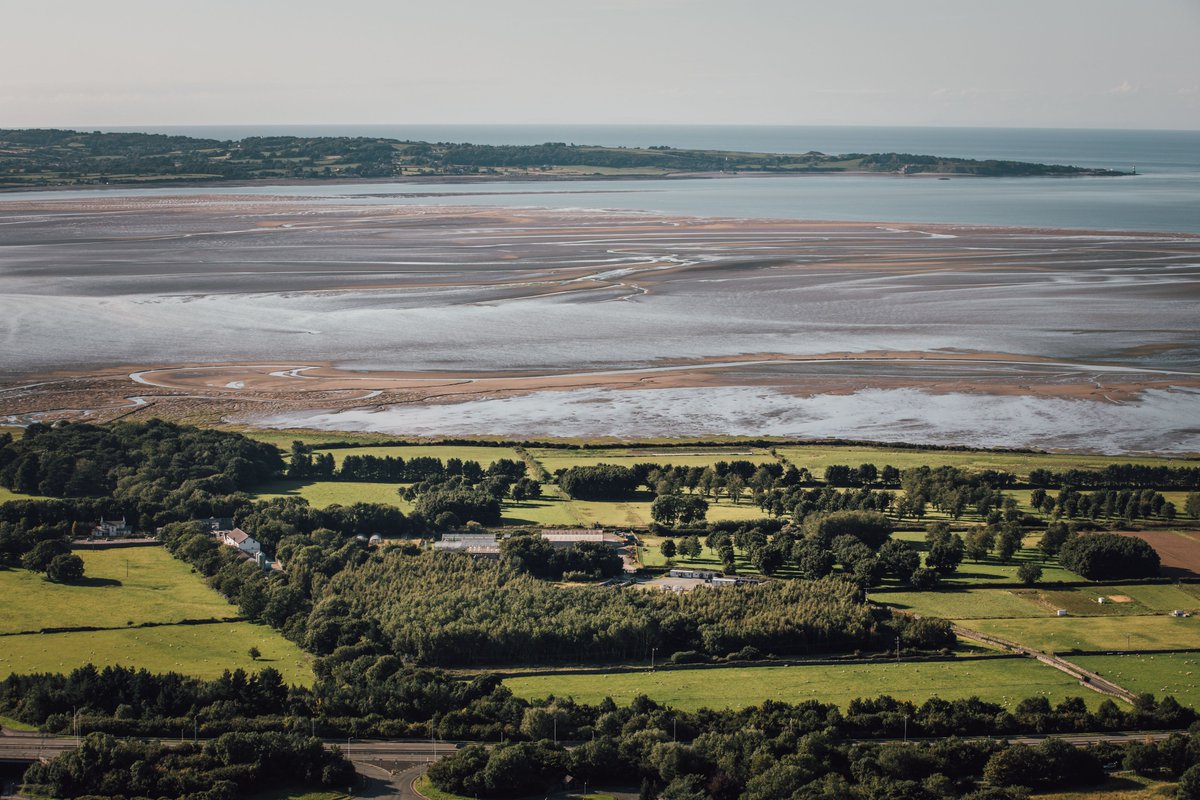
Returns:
(1179, 551)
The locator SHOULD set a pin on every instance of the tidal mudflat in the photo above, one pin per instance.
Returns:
(540, 322)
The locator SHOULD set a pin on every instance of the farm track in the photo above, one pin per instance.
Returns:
(1086, 678)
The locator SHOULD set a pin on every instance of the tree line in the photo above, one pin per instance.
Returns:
(232, 765)
(1119, 476)
(362, 691)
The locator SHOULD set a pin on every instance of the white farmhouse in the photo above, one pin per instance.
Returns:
(241, 540)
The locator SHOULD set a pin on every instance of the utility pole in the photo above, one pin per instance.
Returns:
(556, 729)
(653, 652)
(906, 728)
(195, 729)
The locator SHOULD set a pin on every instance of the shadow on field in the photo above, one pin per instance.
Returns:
(96, 582)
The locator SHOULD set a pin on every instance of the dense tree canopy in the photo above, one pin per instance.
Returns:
(1108, 556)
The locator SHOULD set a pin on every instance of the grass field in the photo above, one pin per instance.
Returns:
(1060, 634)
(991, 569)
(320, 494)
(133, 584)
(484, 455)
(554, 459)
(961, 603)
(652, 556)
(1121, 786)
(1160, 674)
(9, 494)
(997, 680)
(817, 457)
(201, 650)
(983, 603)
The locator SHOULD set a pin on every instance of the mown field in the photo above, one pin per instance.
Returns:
(817, 457)
(553, 459)
(320, 494)
(1121, 786)
(9, 494)
(125, 587)
(201, 650)
(121, 586)
(1000, 680)
(484, 455)
(1103, 634)
(983, 603)
(1161, 674)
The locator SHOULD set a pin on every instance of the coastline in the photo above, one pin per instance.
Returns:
(532, 177)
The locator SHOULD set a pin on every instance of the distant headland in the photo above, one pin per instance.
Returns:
(32, 158)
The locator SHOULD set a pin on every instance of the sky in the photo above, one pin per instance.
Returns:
(1010, 63)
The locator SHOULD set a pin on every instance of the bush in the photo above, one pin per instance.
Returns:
(688, 657)
(1108, 556)
(66, 568)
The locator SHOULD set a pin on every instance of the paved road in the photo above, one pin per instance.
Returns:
(412, 755)
(19, 746)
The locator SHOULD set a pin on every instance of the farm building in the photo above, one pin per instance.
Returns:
(565, 537)
(700, 574)
(483, 545)
(214, 524)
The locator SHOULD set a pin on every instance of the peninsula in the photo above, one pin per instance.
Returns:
(42, 157)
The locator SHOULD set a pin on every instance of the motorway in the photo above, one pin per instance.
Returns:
(30, 747)
(18, 746)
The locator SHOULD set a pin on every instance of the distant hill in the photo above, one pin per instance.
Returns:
(36, 157)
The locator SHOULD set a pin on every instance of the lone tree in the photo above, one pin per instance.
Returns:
(254, 653)
(667, 548)
(1029, 573)
(66, 568)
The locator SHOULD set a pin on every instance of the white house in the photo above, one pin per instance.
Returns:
(113, 529)
(241, 540)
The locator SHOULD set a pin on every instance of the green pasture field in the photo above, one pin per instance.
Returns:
(1120, 786)
(297, 793)
(484, 455)
(204, 651)
(651, 556)
(120, 586)
(991, 569)
(1160, 674)
(817, 457)
(321, 494)
(1062, 634)
(283, 439)
(554, 459)
(1041, 601)
(16, 724)
(636, 513)
(9, 494)
(1001, 680)
(961, 603)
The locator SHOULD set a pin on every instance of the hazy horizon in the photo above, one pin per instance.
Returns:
(1070, 64)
